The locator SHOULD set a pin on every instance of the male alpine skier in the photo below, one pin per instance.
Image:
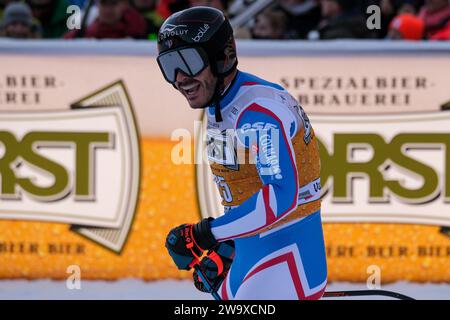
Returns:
(269, 243)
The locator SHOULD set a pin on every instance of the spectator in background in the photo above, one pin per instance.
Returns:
(409, 6)
(3, 4)
(270, 24)
(341, 20)
(391, 8)
(52, 16)
(404, 6)
(116, 20)
(163, 8)
(222, 5)
(302, 16)
(79, 3)
(172, 6)
(406, 27)
(436, 15)
(442, 34)
(147, 9)
(236, 7)
(18, 22)
(167, 7)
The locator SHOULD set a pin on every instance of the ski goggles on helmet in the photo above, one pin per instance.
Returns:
(191, 61)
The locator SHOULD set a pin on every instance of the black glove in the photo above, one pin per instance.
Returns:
(187, 242)
(215, 266)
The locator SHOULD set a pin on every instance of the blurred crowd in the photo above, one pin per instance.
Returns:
(281, 19)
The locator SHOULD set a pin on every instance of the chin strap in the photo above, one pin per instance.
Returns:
(216, 100)
(217, 112)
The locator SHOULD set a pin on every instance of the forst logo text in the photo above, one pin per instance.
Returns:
(17, 151)
(338, 166)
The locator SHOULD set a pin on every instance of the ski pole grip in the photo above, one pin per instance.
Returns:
(206, 282)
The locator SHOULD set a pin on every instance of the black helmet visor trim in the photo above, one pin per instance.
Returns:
(189, 60)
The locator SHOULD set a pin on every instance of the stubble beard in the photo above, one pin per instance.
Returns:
(209, 86)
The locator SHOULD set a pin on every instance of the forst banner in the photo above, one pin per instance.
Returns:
(88, 176)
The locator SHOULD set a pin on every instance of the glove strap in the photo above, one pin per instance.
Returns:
(218, 261)
(190, 245)
(203, 235)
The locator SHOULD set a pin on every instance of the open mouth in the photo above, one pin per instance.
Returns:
(191, 89)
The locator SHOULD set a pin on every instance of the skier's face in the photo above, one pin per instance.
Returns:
(197, 90)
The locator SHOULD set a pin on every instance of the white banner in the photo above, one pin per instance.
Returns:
(392, 168)
(78, 164)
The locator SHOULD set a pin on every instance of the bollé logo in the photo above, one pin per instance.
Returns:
(201, 32)
(78, 166)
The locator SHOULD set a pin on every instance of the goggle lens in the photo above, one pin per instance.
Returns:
(190, 61)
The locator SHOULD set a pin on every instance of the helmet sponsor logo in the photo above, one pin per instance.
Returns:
(171, 30)
(171, 27)
(201, 32)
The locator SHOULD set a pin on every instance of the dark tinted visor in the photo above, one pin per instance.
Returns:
(190, 61)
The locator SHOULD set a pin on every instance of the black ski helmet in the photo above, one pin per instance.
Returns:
(203, 27)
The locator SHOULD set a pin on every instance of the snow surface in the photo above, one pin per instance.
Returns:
(174, 290)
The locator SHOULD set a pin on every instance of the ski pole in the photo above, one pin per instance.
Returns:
(206, 283)
(357, 293)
